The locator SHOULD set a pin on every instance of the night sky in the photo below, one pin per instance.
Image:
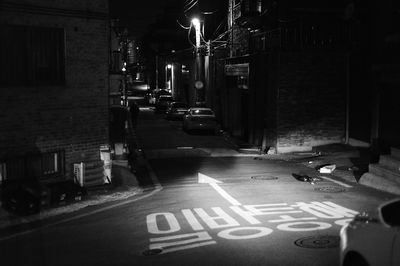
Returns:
(138, 15)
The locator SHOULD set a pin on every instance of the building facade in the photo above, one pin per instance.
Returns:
(285, 78)
(54, 58)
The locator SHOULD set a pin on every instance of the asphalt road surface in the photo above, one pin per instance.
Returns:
(204, 211)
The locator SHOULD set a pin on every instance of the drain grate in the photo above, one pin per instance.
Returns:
(151, 252)
(330, 189)
(264, 177)
(324, 241)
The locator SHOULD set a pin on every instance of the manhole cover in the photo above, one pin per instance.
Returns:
(151, 252)
(264, 177)
(326, 241)
(330, 189)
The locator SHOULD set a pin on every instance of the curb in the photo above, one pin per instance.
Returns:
(379, 183)
(95, 200)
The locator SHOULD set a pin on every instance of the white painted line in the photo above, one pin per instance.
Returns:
(220, 220)
(214, 183)
(206, 179)
(83, 215)
(262, 231)
(180, 242)
(225, 195)
(192, 220)
(189, 246)
(335, 181)
(184, 148)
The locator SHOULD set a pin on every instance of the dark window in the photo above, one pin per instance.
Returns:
(31, 55)
(251, 7)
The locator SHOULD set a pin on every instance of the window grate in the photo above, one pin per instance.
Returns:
(38, 166)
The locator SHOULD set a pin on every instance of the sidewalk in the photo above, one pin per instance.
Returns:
(350, 162)
(124, 186)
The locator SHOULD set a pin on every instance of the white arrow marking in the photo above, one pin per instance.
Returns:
(214, 183)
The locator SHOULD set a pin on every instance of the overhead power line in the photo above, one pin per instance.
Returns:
(191, 6)
(182, 26)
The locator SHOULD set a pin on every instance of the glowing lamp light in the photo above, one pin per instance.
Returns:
(169, 66)
(196, 22)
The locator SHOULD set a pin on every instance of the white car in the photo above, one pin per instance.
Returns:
(176, 110)
(372, 239)
(200, 118)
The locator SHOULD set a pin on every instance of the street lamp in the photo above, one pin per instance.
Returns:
(167, 82)
(196, 24)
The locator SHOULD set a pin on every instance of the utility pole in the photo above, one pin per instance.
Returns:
(199, 73)
(124, 66)
(207, 72)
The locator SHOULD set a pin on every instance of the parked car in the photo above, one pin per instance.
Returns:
(148, 96)
(151, 98)
(162, 103)
(176, 110)
(372, 238)
(200, 118)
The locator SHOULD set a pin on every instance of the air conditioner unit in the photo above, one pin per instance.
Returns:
(79, 173)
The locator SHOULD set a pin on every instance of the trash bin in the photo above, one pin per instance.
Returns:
(21, 196)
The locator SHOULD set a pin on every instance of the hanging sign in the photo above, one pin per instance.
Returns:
(237, 70)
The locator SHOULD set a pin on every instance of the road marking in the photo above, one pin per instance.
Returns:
(285, 217)
(206, 179)
(184, 241)
(262, 231)
(343, 221)
(152, 226)
(292, 227)
(192, 220)
(214, 184)
(335, 181)
(220, 220)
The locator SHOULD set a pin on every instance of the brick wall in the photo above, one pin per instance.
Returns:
(71, 117)
(311, 100)
(297, 99)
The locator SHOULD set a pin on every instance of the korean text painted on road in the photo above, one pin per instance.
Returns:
(241, 222)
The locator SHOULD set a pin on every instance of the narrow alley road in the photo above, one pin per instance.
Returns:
(210, 209)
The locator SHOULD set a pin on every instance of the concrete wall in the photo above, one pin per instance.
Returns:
(71, 117)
